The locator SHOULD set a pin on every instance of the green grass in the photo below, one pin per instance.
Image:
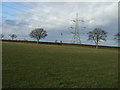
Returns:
(27, 65)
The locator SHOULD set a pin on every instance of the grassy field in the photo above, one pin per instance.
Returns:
(27, 65)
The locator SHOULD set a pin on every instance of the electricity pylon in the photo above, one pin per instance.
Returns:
(76, 32)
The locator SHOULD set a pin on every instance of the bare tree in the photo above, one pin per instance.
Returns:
(13, 36)
(97, 35)
(38, 34)
(1, 36)
(117, 37)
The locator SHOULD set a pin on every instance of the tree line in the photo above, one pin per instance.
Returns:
(96, 35)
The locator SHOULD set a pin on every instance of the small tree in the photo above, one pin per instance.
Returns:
(97, 35)
(13, 36)
(117, 37)
(38, 34)
(1, 36)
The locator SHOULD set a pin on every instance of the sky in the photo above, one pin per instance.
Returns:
(21, 18)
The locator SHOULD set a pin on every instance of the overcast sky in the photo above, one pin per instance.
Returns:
(55, 17)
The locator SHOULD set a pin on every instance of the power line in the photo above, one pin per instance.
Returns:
(22, 5)
(13, 15)
(21, 10)
(3, 13)
(12, 8)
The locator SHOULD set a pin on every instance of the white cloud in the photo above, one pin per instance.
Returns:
(60, 0)
(57, 16)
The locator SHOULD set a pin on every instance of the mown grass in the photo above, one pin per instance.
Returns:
(27, 65)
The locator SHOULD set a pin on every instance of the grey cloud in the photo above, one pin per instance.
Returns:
(56, 17)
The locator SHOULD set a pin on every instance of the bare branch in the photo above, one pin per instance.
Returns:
(97, 35)
(38, 34)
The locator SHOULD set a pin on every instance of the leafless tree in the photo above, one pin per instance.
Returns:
(1, 36)
(97, 35)
(117, 37)
(13, 36)
(38, 34)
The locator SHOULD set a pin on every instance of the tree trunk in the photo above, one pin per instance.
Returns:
(61, 42)
(37, 41)
(97, 45)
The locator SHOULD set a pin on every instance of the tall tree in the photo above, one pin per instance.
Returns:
(38, 34)
(97, 35)
(117, 37)
(13, 36)
(1, 36)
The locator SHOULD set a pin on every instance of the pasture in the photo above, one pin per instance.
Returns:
(28, 65)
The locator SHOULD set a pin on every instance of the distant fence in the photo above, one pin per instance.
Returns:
(56, 43)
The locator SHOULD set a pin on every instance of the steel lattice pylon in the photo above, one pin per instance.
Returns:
(76, 32)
